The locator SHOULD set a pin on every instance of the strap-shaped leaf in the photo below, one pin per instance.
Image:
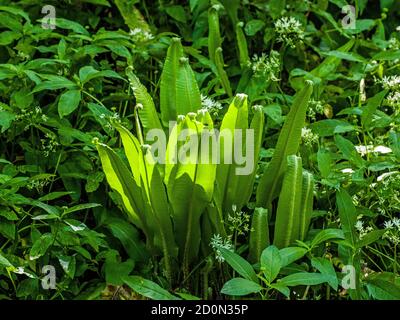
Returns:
(132, 150)
(259, 235)
(159, 214)
(289, 204)
(251, 151)
(307, 199)
(179, 92)
(219, 62)
(148, 114)
(227, 179)
(288, 144)
(242, 45)
(190, 184)
(214, 33)
(121, 180)
(348, 216)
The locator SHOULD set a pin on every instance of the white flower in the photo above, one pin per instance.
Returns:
(210, 105)
(391, 82)
(359, 225)
(393, 99)
(385, 175)
(141, 35)
(308, 137)
(363, 150)
(217, 243)
(396, 222)
(382, 149)
(388, 224)
(289, 30)
(266, 66)
(347, 170)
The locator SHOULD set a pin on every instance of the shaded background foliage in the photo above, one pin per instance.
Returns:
(61, 88)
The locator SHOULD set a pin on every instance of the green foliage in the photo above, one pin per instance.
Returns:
(323, 101)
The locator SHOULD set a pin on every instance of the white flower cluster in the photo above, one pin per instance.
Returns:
(309, 138)
(211, 106)
(38, 184)
(217, 242)
(393, 99)
(267, 67)
(364, 150)
(363, 231)
(31, 117)
(315, 107)
(394, 44)
(392, 233)
(111, 119)
(238, 222)
(49, 144)
(140, 35)
(289, 31)
(391, 82)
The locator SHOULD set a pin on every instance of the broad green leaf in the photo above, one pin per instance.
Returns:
(290, 255)
(55, 83)
(81, 207)
(71, 25)
(240, 287)
(4, 262)
(270, 262)
(388, 55)
(177, 12)
(371, 107)
(68, 263)
(68, 102)
(384, 290)
(370, 237)
(348, 216)
(303, 279)
(148, 288)
(40, 246)
(115, 270)
(325, 235)
(239, 264)
(129, 238)
(325, 267)
(349, 151)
